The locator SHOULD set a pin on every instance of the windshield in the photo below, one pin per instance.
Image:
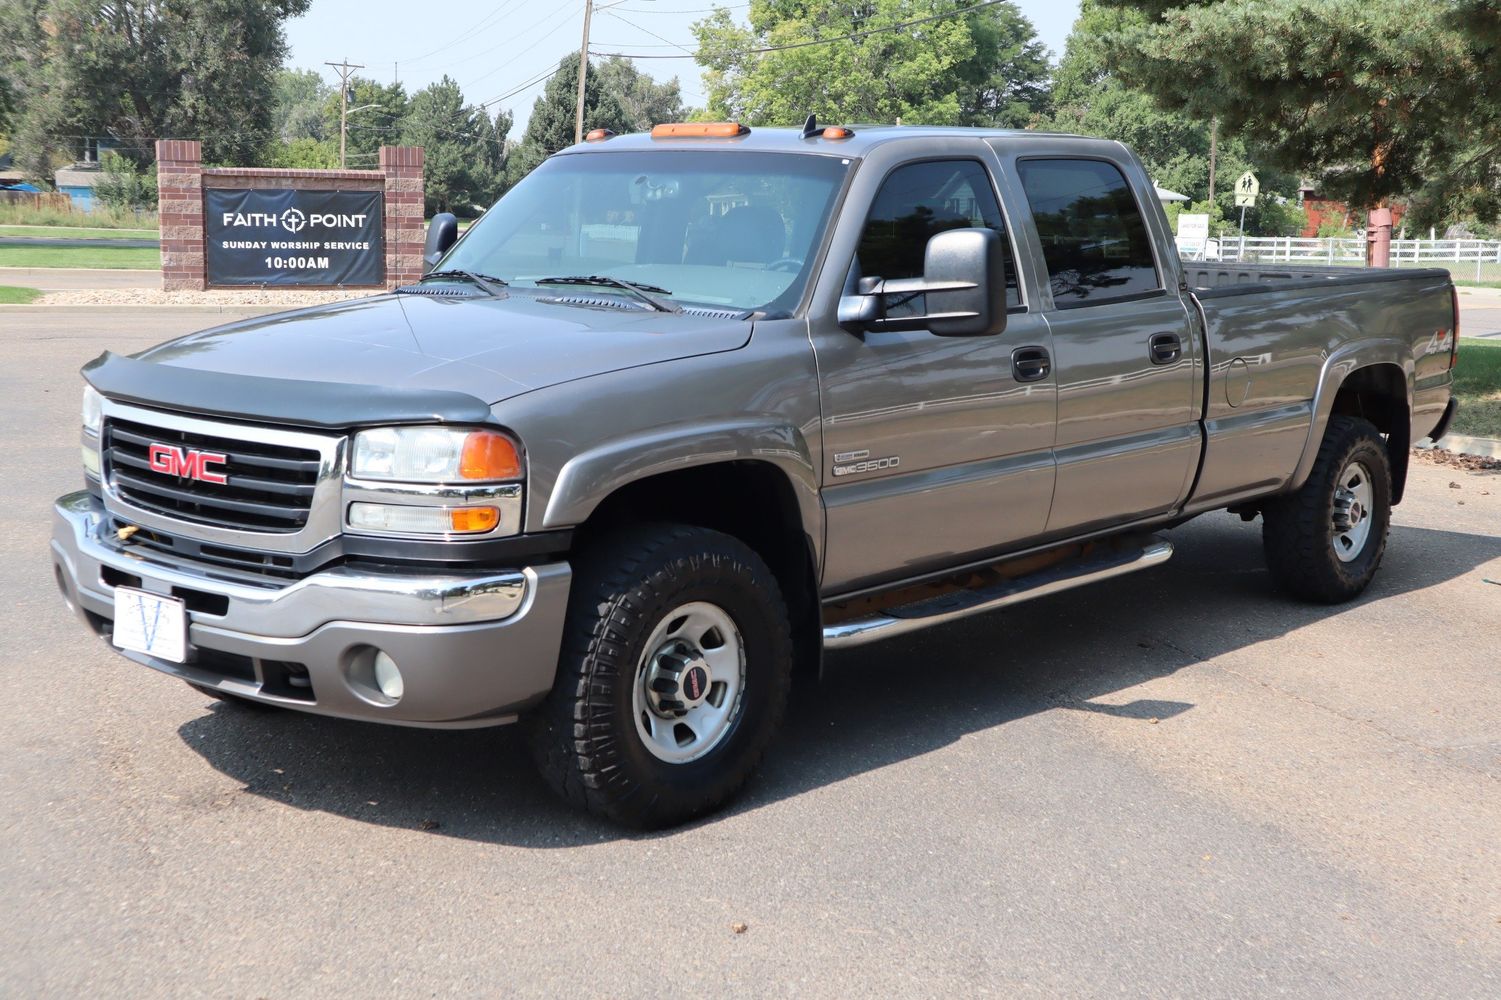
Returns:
(727, 229)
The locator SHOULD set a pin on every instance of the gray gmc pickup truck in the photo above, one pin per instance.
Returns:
(686, 409)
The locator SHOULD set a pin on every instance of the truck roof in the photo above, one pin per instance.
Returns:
(790, 140)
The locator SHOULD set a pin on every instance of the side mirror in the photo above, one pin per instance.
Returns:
(442, 233)
(964, 284)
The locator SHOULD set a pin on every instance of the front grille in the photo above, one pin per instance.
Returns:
(270, 487)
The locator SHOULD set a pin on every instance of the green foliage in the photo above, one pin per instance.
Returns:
(1378, 97)
(551, 126)
(983, 68)
(300, 98)
(19, 213)
(125, 186)
(136, 72)
(1090, 99)
(644, 101)
(302, 154)
(465, 159)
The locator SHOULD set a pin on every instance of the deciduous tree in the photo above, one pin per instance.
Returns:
(980, 66)
(135, 72)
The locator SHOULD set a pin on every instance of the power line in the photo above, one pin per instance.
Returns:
(817, 41)
(465, 36)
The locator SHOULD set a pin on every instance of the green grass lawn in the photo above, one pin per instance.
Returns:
(108, 258)
(1477, 383)
(13, 296)
(77, 233)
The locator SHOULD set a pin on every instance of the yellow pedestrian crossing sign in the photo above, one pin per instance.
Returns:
(1246, 190)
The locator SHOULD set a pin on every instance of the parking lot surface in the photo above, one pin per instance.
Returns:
(1177, 783)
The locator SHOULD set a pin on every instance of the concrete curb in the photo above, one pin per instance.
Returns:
(1460, 444)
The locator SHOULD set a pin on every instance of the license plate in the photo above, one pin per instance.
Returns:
(150, 624)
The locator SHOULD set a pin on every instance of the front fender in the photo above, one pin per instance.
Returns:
(1339, 366)
(589, 477)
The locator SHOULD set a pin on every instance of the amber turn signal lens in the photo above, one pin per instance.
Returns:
(699, 130)
(474, 519)
(489, 456)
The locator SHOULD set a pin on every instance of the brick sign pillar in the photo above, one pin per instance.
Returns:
(181, 179)
(179, 186)
(405, 238)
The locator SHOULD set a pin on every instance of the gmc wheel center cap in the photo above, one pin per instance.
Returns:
(695, 683)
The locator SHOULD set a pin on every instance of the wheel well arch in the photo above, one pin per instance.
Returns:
(751, 500)
(1378, 393)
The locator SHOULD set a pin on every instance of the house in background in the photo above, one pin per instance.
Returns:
(1317, 211)
(79, 180)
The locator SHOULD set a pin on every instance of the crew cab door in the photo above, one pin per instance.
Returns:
(1125, 352)
(935, 449)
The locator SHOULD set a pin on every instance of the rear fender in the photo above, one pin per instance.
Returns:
(1340, 365)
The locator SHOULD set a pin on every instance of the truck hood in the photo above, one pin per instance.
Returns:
(487, 348)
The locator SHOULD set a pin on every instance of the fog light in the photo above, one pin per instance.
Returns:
(388, 677)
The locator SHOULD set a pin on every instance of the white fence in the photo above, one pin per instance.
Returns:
(1478, 260)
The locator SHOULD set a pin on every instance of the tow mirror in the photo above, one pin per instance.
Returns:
(963, 284)
(442, 233)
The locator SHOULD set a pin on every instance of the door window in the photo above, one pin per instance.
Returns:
(916, 203)
(1093, 236)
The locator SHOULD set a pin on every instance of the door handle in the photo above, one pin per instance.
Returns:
(1166, 348)
(1031, 364)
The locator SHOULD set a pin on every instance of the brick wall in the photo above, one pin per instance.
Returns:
(181, 179)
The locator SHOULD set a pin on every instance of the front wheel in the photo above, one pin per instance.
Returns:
(676, 663)
(1324, 543)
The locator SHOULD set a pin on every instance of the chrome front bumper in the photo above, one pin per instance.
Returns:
(473, 648)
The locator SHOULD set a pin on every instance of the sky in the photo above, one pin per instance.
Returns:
(505, 49)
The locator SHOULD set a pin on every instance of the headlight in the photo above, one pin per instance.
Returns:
(435, 455)
(93, 409)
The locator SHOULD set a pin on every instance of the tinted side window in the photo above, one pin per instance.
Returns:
(1093, 237)
(916, 203)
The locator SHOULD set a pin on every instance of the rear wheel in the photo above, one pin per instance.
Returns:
(1325, 542)
(674, 676)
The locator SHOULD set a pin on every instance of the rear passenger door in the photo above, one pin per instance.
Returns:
(1124, 352)
(935, 449)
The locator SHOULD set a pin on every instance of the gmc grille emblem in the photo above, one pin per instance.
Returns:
(186, 463)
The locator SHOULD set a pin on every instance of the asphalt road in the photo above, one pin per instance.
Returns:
(1173, 784)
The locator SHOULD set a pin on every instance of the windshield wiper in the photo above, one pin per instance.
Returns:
(492, 286)
(642, 292)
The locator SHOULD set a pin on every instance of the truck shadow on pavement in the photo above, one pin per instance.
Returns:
(874, 707)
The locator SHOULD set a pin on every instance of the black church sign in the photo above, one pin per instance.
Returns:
(292, 237)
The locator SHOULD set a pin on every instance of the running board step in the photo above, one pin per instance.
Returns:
(925, 613)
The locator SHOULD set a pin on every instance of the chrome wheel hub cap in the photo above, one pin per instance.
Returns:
(1351, 517)
(687, 694)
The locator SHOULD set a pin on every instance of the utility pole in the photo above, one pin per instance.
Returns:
(1214, 148)
(345, 68)
(578, 118)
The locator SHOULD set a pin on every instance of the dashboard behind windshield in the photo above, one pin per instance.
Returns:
(724, 229)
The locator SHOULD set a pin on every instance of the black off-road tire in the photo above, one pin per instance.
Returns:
(584, 736)
(1298, 532)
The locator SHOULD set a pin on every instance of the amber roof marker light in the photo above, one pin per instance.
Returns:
(813, 130)
(599, 135)
(700, 130)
